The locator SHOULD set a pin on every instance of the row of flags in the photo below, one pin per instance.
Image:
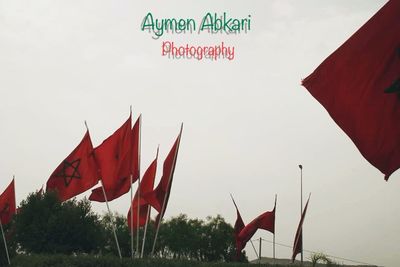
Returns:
(266, 221)
(115, 163)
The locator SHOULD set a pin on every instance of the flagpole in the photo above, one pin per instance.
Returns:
(167, 193)
(145, 230)
(131, 228)
(274, 229)
(273, 239)
(108, 208)
(147, 216)
(131, 178)
(301, 208)
(255, 250)
(138, 190)
(5, 242)
(112, 221)
(259, 252)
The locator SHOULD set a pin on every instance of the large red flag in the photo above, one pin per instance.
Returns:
(298, 239)
(114, 159)
(77, 173)
(7, 204)
(239, 225)
(265, 221)
(146, 186)
(359, 86)
(158, 198)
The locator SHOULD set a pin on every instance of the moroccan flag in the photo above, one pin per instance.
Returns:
(7, 204)
(359, 86)
(265, 221)
(114, 159)
(158, 196)
(146, 186)
(77, 173)
(298, 239)
(239, 225)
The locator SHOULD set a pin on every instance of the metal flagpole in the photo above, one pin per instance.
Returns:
(255, 250)
(147, 216)
(274, 229)
(131, 218)
(138, 190)
(108, 208)
(160, 218)
(138, 219)
(5, 242)
(167, 193)
(112, 221)
(301, 208)
(274, 247)
(259, 252)
(145, 230)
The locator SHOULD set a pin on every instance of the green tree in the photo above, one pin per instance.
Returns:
(194, 239)
(45, 225)
(220, 237)
(181, 238)
(122, 231)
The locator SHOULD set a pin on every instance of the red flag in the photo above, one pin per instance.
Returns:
(265, 221)
(7, 204)
(239, 225)
(77, 173)
(114, 159)
(146, 186)
(160, 195)
(135, 167)
(298, 239)
(359, 86)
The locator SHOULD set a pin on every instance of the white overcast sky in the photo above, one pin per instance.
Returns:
(248, 123)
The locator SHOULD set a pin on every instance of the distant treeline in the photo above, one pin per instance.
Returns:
(44, 225)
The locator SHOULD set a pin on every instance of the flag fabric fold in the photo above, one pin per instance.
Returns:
(265, 221)
(158, 198)
(359, 86)
(146, 186)
(7, 203)
(298, 239)
(77, 173)
(114, 157)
